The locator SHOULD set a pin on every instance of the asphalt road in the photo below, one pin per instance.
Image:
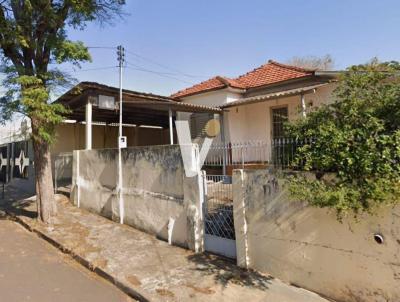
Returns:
(32, 270)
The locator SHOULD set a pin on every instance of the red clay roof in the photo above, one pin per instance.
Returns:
(270, 73)
(211, 84)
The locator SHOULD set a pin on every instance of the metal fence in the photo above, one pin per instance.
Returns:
(279, 153)
(238, 154)
(284, 151)
(219, 207)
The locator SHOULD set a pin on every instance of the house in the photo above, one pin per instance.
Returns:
(92, 123)
(256, 105)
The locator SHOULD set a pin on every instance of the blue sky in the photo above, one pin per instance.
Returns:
(207, 38)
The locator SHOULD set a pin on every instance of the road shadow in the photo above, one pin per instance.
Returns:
(225, 271)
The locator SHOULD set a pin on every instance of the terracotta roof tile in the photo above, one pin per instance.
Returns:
(270, 73)
(211, 84)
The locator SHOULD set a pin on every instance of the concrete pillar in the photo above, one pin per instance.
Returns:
(303, 105)
(171, 128)
(194, 194)
(88, 126)
(239, 216)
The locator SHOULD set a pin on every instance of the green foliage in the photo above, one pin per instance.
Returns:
(356, 139)
(70, 51)
(33, 40)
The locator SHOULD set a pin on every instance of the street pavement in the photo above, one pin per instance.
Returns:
(32, 270)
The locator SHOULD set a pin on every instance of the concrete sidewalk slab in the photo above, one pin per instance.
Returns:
(149, 269)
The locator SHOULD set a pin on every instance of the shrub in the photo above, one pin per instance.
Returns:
(357, 138)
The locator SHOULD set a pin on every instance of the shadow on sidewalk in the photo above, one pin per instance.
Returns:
(225, 271)
(18, 202)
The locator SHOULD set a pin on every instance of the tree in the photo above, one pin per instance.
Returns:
(33, 40)
(312, 62)
(353, 144)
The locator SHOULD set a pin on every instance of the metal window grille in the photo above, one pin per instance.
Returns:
(279, 118)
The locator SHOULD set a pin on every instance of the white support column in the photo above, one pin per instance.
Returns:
(88, 126)
(223, 141)
(303, 105)
(171, 127)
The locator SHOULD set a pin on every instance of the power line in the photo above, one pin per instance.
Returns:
(101, 47)
(92, 69)
(146, 69)
(161, 74)
(164, 66)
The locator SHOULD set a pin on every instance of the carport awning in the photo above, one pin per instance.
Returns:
(138, 108)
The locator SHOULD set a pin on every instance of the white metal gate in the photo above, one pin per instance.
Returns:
(219, 232)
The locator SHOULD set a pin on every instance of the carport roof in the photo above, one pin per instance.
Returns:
(138, 107)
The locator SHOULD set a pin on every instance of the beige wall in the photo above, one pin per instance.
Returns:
(253, 122)
(71, 137)
(308, 247)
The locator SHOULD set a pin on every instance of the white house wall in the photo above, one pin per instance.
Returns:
(213, 99)
(253, 122)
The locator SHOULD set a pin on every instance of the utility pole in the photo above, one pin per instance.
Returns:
(121, 139)
(121, 61)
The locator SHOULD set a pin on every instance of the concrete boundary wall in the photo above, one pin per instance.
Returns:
(157, 196)
(308, 247)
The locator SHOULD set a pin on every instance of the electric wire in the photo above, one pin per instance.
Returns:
(163, 65)
(161, 74)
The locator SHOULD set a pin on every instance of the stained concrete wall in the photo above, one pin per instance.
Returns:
(157, 196)
(308, 247)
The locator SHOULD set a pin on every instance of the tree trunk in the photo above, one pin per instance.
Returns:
(44, 181)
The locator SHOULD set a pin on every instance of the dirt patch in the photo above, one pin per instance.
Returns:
(78, 240)
(164, 292)
(100, 262)
(133, 280)
(203, 290)
(60, 198)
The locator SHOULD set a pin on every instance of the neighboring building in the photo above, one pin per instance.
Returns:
(257, 103)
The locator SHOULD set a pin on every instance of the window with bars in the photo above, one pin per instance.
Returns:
(279, 118)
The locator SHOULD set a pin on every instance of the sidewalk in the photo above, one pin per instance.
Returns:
(149, 269)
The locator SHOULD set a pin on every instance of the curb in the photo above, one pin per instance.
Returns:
(82, 261)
